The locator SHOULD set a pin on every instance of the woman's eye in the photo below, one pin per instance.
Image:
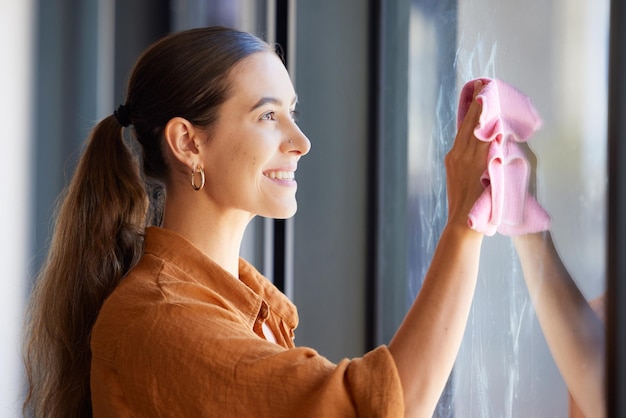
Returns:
(294, 115)
(269, 116)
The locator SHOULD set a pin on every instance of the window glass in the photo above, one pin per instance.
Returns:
(556, 53)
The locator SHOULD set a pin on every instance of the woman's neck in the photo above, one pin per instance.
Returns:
(217, 234)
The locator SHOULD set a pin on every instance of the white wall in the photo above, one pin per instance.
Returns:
(16, 173)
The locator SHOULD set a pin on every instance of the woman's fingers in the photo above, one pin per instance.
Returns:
(469, 123)
(466, 145)
(466, 162)
(465, 135)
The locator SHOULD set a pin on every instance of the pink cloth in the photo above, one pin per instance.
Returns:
(507, 118)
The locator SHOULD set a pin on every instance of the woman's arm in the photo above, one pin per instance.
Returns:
(574, 333)
(429, 338)
(427, 342)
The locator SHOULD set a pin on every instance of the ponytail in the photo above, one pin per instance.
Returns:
(97, 239)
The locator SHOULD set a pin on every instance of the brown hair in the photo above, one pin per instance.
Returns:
(98, 235)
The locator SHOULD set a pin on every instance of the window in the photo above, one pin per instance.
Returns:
(557, 53)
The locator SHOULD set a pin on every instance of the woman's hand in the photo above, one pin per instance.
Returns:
(465, 163)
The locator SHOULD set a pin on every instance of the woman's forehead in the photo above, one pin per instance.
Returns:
(262, 74)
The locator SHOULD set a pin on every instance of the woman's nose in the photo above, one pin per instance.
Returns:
(298, 142)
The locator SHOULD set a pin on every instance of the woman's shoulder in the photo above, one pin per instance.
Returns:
(127, 306)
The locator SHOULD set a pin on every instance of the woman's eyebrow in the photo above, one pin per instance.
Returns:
(271, 100)
(265, 100)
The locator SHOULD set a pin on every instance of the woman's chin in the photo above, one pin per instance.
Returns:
(284, 212)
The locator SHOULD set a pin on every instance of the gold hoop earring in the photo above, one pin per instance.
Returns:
(195, 169)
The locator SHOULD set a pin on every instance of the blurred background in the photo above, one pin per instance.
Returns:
(378, 84)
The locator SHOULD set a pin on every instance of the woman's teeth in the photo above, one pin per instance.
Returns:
(281, 175)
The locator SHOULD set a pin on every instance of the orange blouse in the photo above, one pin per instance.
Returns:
(181, 337)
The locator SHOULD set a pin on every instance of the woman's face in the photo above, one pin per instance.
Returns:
(255, 144)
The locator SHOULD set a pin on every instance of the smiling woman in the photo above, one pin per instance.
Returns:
(133, 319)
(256, 129)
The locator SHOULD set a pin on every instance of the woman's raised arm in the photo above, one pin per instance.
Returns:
(427, 342)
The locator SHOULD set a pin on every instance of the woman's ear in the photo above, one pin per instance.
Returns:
(181, 137)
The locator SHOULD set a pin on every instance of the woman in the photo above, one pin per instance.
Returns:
(169, 321)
